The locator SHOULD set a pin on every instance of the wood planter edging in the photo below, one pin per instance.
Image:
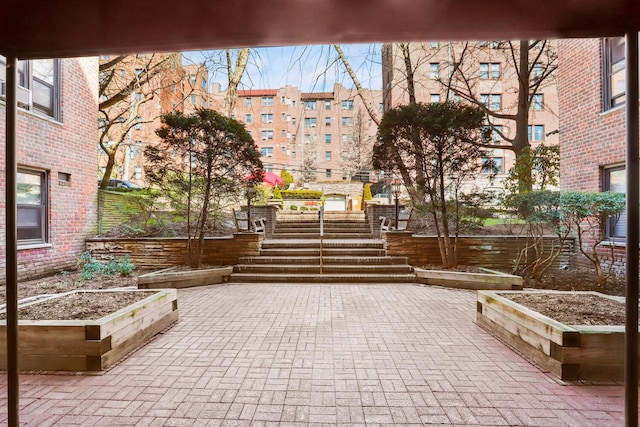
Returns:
(90, 345)
(169, 278)
(569, 352)
(490, 280)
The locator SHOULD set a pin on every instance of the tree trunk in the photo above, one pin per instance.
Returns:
(111, 161)
(521, 140)
(234, 76)
(404, 47)
(356, 82)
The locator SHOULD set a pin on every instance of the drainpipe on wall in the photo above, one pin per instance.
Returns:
(633, 232)
(11, 272)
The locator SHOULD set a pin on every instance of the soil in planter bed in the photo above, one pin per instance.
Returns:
(80, 306)
(573, 309)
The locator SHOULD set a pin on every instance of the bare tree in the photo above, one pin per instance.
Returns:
(532, 64)
(234, 75)
(127, 83)
(357, 150)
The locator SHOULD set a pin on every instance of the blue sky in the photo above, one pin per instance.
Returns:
(310, 68)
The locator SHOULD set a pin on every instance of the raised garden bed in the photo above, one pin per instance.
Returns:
(176, 278)
(570, 352)
(89, 345)
(486, 279)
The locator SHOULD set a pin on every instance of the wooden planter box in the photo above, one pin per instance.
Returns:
(489, 279)
(90, 345)
(575, 352)
(171, 278)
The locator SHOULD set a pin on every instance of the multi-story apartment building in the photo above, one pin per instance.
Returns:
(483, 71)
(593, 124)
(323, 136)
(57, 161)
(174, 87)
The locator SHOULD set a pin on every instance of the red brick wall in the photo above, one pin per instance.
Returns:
(589, 138)
(68, 146)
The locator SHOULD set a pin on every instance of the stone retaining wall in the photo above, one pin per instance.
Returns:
(155, 253)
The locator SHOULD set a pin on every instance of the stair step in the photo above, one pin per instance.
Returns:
(328, 269)
(315, 243)
(327, 260)
(316, 235)
(295, 226)
(322, 278)
(309, 251)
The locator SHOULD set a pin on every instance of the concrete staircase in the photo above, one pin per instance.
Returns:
(349, 253)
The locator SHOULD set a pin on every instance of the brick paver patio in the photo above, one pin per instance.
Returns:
(319, 354)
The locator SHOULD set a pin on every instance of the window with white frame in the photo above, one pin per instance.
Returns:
(327, 138)
(327, 105)
(327, 173)
(537, 102)
(310, 122)
(266, 118)
(347, 121)
(32, 207)
(492, 165)
(266, 134)
(490, 70)
(434, 70)
(434, 45)
(613, 81)
(247, 118)
(327, 155)
(267, 151)
(347, 104)
(39, 85)
(535, 132)
(492, 101)
(327, 121)
(434, 98)
(310, 105)
(614, 179)
(266, 101)
(247, 102)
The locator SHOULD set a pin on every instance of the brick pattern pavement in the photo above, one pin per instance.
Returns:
(318, 354)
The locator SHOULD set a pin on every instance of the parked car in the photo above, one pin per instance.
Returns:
(120, 183)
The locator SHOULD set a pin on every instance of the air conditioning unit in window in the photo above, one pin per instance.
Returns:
(269, 155)
(24, 96)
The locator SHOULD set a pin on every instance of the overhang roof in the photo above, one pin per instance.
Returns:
(62, 28)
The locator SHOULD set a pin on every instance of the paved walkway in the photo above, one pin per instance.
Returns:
(319, 354)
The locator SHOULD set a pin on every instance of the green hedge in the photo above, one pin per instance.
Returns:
(301, 194)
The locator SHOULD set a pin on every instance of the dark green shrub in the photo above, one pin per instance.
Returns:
(301, 194)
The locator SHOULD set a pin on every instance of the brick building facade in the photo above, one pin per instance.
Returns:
(489, 77)
(57, 163)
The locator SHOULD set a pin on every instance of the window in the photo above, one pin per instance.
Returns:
(137, 172)
(283, 132)
(496, 133)
(381, 107)
(266, 134)
(492, 165)
(293, 121)
(283, 117)
(192, 78)
(492, 101)
(247, 118)
(327, 173)
(282, 99)
(283, 149)
(347, 104)
(327, 121)
(267, 151)
(434, 45)
(310, 105)
(266, 101)
(434, 98)
(203, 83)
(537, 102)
(434, 70)
(327, 105)
(490, 70)
(193, 99)
(347, 121)
(39, 85)
(266, 118)
(204, 102)
(615, 180)
(247, 102)
(327, 138)
(293, 155)
(613, 72)
(536, 71)
(310, 122)
(32, 209)
(327, 155)
(538, 132)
